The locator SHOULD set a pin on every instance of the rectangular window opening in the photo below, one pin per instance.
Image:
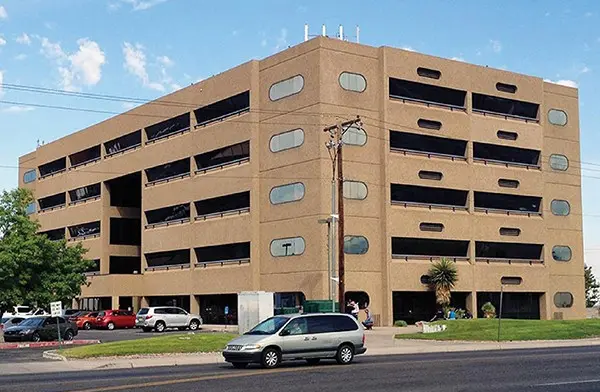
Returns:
(428, 196)
(89, 155)
(168, 171)
(428, 145)
(51, 202)
(125, 231)
(219, 158)
(168, 215)
(123, 143)
(424, 247)
(223, 205)
(95, 268)
(510, 203)
(84, 230)
(84, 193)
(168, 127)
(506, 155)
(54, 234)
(126, 191)
(427, 93)
(222, 109)
(162, 260)
(505, 107)
(54, 167)
(235, 252)
(508, 251)
(125, 265)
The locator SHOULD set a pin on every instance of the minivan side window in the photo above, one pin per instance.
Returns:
(297, 326)
(321, 324)
(343, 323)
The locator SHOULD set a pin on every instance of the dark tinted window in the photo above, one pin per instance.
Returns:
(506, 250)
(223, 156)
(123, 143)
(429, 247)
(84, 193)
(53, 167)
(501, 201)
(320, 324)
(179, 212)
(427, 144)
(223, 108)
(169, 127)
(505, 106)
(494, 152)
(174, 257)
(85, 229)
(343, 323)
(169, 170)
(53, 201)
(236, 201)
(427, 195)
(217, 253)
(85, 156)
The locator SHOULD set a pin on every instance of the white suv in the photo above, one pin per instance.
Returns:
(161, 318)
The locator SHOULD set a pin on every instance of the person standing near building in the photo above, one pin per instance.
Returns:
(355, 309)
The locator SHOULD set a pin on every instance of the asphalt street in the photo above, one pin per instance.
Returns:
(562, 369)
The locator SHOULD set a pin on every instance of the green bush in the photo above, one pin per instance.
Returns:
(489, 310)
(400, 323)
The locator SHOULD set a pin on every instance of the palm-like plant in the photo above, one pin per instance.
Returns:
(443, 276)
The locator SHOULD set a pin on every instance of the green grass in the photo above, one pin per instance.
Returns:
(487, 330)
(186, 343)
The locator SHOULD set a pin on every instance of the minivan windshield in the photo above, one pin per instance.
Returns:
(269, 326)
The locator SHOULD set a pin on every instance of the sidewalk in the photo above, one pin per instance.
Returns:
(379, 342)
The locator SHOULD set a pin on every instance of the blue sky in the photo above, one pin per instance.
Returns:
(146, 48)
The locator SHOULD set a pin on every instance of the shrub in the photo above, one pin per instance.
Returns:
(489, 310)
(400, 323)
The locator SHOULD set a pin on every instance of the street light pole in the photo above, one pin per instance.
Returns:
(500, 313)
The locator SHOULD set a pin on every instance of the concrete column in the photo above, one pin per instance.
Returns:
(137, 304)
(194, 304)
(115, 302)
(472, 303)
(545, 307)
(144, 303)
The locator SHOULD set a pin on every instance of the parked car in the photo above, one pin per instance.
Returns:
(291, 337)
(111, 319)
(161, 318)
(86, 320)
(7, 322)
(25, 311)
(40, 328)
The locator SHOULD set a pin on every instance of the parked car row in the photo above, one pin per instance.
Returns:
(39, 328)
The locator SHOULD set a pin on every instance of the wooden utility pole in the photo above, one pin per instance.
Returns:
(334, 145)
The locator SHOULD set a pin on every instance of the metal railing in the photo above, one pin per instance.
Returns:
(205, 264)
(222, 214)
(223, 117)
(85, 200)
(124, 150)
(168, 135)
(505, 116)
(507, 212)
(85, 163)
(168, 267)
(429, 103)
(168, 179)
(508, 164)
(54, 173)
(489, 260)
(406, 151)
(56, 207)
(167, 223)
(84, 237)
(429, 205)
(428, 257)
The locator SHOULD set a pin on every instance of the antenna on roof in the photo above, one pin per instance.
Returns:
(341, 33)
(324, 31)
(305, 32)
(357, 34)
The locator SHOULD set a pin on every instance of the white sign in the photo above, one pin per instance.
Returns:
(55, 309)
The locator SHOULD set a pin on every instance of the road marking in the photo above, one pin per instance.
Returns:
(550, 384)
(194, 379)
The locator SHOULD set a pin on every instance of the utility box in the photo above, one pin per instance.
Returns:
(253, 307)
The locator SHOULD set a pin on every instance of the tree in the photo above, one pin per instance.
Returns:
(592, 287)
(443, 276)
(33, 269)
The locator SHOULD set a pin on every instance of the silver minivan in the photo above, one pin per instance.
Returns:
(311, 337)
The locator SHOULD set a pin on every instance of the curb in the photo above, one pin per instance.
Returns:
(53, 355)
(12, 346)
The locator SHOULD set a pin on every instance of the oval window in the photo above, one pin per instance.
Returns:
(563, 300)
(286, 87)
(355, 245)
(29, 176)
(355, 136)
(287, 140)
(557, 117)
(356, 190)
(561, 253)
(353, 82)
(560, 207)
(559, 162)
(287, 193)
(283, 247)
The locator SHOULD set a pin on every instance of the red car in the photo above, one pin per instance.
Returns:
(111, 319)
(86, 320)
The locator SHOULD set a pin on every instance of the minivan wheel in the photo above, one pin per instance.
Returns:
(271, 358)
(194, 324)
(110, 326)
(313, 361)
(160, 326)
(345, 355)
(240, 365)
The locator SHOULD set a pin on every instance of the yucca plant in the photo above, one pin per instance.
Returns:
(443, 276)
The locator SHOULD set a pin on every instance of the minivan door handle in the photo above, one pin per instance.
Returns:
(306, 338)
(314, 338)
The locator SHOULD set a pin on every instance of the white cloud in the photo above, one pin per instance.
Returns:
(563, 82)
(135, 64)
(23, 39)
(165, 60)
(584, 69)
(20, 57)
(141, 5)
(81, 68)
(496, 46)
(17, 109)
(2, 41)
(3, 13)
(282, 39)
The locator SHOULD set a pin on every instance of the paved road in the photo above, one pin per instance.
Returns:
(539, 370)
